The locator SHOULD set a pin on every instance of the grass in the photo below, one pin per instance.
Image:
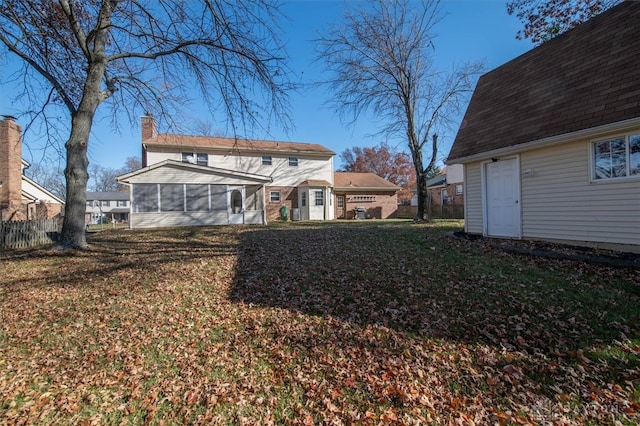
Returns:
(360, 322)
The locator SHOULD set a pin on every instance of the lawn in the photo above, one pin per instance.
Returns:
(314, 323)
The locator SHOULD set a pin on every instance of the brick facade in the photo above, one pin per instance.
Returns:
(380, 205)
(288, 197)
(11, 206)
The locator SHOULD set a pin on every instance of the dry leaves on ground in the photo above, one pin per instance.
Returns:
(368, 323)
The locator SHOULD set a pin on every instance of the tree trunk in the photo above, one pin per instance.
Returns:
(76, 172)
(421, 181)
(73, 227)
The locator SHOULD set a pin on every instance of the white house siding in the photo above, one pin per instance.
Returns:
(559, 201)
(309, 167)
(171, 219)
(473, 198)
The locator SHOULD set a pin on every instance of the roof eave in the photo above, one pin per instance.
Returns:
(593, 132)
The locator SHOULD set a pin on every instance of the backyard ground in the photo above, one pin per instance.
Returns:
(315, 323)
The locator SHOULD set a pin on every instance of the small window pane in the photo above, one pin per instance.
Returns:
(266, 160)
(145, 197)
(274, 196)
(319, 198)
(171, 197)
(197, 198)
(189, 157)
(303, 199)
(293, 161)
(202, 159)
(340, 202)
(634, 155)
(459, 189)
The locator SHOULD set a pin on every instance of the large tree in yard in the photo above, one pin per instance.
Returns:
(545, 19)
(142, 57)
(380, 60)
(386, 162)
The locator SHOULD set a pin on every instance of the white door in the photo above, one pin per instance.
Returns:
(317, 201)
(502, 198)
(236, 204)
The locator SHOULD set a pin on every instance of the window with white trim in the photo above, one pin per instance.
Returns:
(459, 189)
(274, 196)
(616, 158)
(319, 198)
(293, 161)
(266, 160)
(199, 158)
(303, 199)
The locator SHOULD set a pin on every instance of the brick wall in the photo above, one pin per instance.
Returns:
(11, 171)
(288, 197)
(149, 130)
(385, 205)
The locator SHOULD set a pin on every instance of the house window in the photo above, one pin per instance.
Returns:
(199, 158)
(303, 199)
(340, 202)
(105, 203)
(274, 196)
(122, 203)
(361, 198)
(319, 198)
(459, 189)
(293, 161)
(266, 160)
(616, 158)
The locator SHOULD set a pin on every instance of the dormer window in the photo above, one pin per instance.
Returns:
(199, 158)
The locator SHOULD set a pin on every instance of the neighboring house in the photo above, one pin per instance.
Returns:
(20, 197)
(550, 141)
(364, 196)
(447, 188)
(103, 205)
(195, 180)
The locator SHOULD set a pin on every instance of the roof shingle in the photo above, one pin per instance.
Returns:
(216, 143)
(361, 180)
(584, 78)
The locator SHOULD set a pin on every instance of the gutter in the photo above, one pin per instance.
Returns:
(592, 132)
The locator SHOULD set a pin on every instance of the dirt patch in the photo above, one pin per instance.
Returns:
(557, 251)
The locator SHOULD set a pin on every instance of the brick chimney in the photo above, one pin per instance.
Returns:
(11, 170)
(149, 130)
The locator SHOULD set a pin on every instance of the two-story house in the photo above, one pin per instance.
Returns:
(195, 180)
(103, 206)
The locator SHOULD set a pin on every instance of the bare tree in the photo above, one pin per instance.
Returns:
(545, 19)
(143, 57)
(131, 164)
(381, 60)
(104, 178)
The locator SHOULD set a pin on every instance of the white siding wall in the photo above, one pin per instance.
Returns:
(559, 202)
(170, 219)
(473, 198)
(169, 174)
(282, 174)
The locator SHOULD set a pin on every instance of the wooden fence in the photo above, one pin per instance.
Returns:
(449, 211)
(28, 233)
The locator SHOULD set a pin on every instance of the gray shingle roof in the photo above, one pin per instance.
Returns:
(587, 77)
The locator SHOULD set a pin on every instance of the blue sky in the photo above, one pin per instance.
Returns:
(472, 30)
